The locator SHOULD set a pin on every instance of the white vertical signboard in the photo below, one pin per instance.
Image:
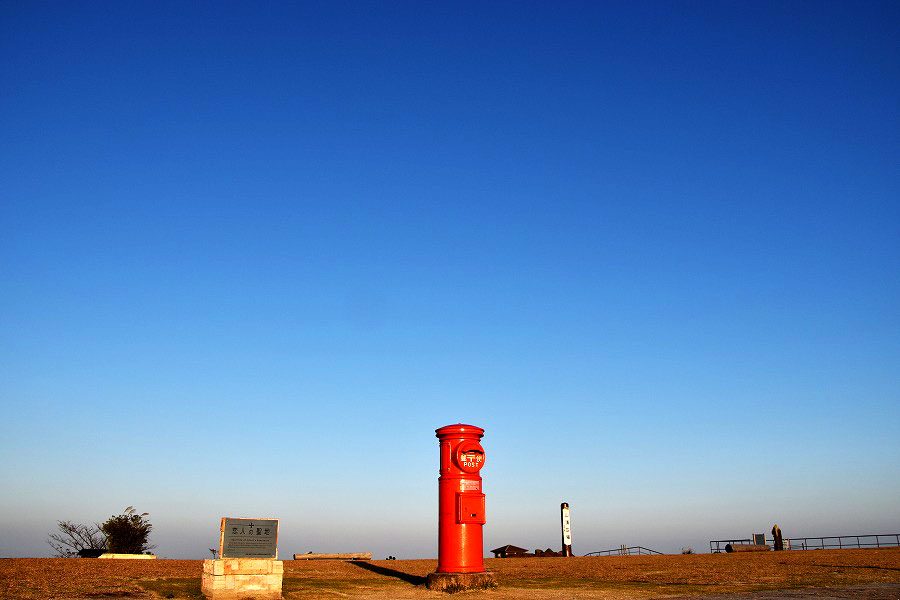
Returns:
(566, 529)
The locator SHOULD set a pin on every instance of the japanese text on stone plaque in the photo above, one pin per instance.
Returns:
(249, 538)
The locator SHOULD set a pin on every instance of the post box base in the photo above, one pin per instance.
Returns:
(458, 582)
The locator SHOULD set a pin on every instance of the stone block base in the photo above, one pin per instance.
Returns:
(239, 578)
(459, 582)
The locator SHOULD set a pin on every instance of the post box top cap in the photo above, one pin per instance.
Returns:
(458, 428)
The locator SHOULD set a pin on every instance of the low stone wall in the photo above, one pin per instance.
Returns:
(334, 556)
(127, 556)
(746, 548)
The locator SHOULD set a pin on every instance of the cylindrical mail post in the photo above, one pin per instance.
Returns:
(460, 500)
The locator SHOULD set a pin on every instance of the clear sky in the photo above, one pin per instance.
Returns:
(253, 254)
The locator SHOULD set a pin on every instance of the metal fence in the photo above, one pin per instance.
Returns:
(874, 540)
(624, 551)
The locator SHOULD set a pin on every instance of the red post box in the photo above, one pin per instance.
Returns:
(460, 500)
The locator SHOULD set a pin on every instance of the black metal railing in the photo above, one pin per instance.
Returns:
(874, 540)
(624, 551)
(818, 542)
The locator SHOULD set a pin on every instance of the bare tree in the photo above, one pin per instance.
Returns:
(73, 537)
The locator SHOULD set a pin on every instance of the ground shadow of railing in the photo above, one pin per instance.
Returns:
(407, 577)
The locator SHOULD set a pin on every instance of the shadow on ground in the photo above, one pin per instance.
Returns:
(407, 577)
(884, 591)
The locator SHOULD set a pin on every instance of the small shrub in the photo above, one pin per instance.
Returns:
(687, 550)
(127, 533)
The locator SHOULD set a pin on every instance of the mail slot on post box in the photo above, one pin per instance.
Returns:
(460, 500)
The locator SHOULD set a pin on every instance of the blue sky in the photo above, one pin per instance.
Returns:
(252, 256)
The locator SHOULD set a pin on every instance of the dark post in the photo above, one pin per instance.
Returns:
(566, 529)
(776, 536)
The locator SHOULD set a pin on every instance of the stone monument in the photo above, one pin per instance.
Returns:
(777, 540)
(248, 565)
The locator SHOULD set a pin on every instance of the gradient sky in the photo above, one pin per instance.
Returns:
(253, 254)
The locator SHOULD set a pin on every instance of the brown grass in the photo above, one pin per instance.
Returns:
(548, 578)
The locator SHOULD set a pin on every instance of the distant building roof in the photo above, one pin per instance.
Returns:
(509, 549)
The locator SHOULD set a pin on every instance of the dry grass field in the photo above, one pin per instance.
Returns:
(821, 573)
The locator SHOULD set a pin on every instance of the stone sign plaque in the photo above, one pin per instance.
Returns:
(248, 538)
